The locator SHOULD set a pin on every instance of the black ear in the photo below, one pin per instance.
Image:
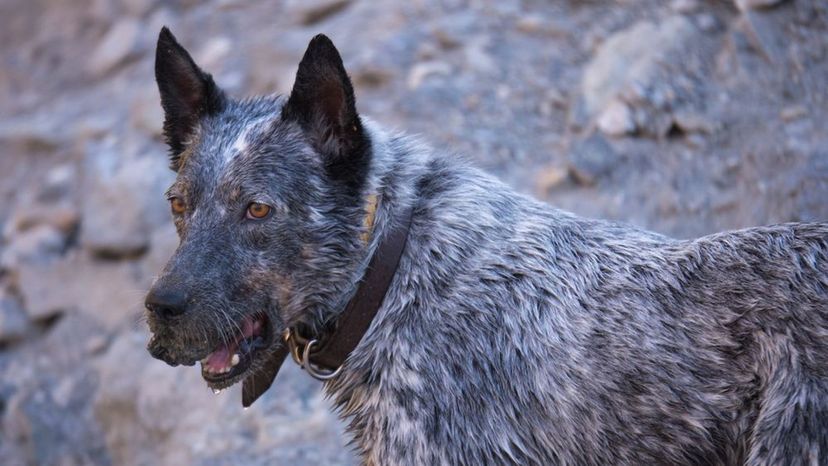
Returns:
(187, 93)
(322, 103)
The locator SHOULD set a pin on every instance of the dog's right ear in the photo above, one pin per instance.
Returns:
(187, 93)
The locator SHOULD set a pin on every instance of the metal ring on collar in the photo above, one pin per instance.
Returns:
(315, 372)
(293, 347)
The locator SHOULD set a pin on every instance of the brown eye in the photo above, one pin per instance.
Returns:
(257, 210)
(177, 205)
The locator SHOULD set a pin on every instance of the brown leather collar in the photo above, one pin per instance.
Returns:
(325, 360)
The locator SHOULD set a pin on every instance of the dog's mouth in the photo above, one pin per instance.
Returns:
(233, 359)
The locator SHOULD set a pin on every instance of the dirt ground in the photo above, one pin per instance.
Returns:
(684, 116)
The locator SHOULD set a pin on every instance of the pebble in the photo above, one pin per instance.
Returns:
(616, 120)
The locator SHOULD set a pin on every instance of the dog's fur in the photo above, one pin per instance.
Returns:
(513, 332)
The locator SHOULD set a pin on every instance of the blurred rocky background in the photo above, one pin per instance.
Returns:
(682, 116)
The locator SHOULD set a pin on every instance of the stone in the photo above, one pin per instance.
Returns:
(637, 66)
(793, 112)
(690, 122)
(745, 5)
(591, 160)
(548, 178)
(421, 71)
(616, 119)
(633, 55)
(685, 6)
(122, 201)
(47, 386)
(109, 292)
(62, 217)
(119, 44)
(766, 34)
(145, 112)
(40, 244)
(14, 324)
(315, 11)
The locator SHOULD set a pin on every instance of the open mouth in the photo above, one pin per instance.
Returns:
(232, 359)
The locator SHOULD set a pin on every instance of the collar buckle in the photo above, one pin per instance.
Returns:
(300, 351)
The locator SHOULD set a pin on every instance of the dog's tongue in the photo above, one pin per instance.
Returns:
(221, 358)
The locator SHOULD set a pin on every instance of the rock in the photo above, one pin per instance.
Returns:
(139, 8)
(49, 385)
(14, 324)
(40, 244)
(765, 33)
(122, 201)
(420, 71)
(707, 22)
(212, 55)
(120, 43)
(591, 159)
(62, 217)
(633, 55)
(689, 123)
(549, 178)
(640, 67)
(685, 6)
(316, 11)
(109, 292)
(792, 113)
(745, 5)
(616, 119)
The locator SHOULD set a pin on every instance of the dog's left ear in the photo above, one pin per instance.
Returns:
(187, 93)
(322, 103)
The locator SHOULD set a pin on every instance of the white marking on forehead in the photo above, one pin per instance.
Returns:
(239, 146)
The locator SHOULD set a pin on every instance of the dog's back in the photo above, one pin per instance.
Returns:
(517, 333)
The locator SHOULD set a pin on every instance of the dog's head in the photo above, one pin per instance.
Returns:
(268, 205)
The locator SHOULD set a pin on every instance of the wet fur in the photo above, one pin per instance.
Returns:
(513, 332)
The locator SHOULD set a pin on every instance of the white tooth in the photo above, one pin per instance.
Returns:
(235, 359)
(216, 391)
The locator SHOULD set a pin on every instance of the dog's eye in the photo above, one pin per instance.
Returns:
(177, 205)
(257, 210)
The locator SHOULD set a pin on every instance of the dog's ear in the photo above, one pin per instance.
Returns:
(187, 93)
(322, 103)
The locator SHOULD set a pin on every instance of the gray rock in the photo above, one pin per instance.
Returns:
(14, 324)
(122, 201)
(421, 71)
(121, 42)
(315, 11)
(40, 244)
(633, 56)
(630, 83)
(745, 5)
(591, 159)
(685, 6)
(766, 33)
(616, 119)
(111, 293)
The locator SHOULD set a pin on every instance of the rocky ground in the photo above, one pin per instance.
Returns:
(683, 116)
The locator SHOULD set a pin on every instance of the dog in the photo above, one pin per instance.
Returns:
(505, 331)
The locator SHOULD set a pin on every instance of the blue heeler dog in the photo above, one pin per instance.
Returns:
(458, 322)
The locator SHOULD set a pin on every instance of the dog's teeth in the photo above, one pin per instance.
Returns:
(235, 359)
(216, 391)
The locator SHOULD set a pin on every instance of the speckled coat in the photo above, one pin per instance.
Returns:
(513, 332)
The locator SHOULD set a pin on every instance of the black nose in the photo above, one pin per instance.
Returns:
(166, 302)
